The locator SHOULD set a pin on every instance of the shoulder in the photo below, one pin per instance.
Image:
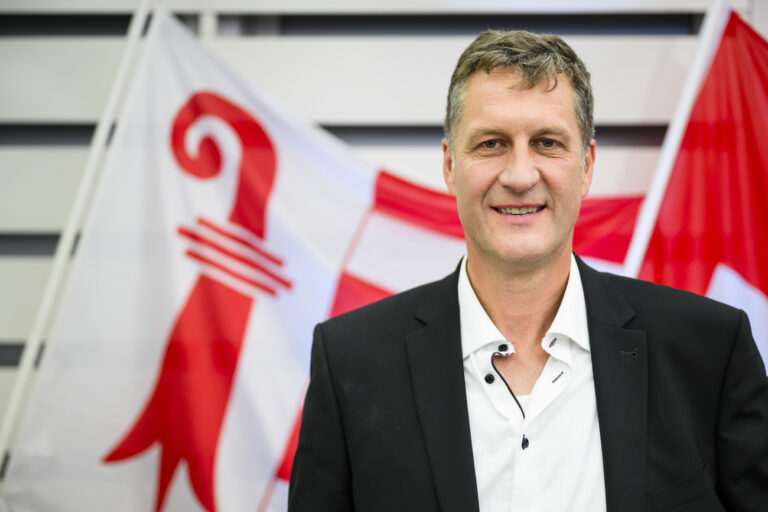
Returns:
(671, 318)
(370, 340)
(646, 297)
(609, 291)
(397, 312)
(691, 340)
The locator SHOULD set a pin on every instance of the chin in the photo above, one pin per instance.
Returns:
(516, 257)
(520, 250)
(526, 255)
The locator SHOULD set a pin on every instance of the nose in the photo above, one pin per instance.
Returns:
(520, 173)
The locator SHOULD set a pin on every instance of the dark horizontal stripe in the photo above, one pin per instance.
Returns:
(386, 135)
(28, 245)
(46, 134)
(606, 135)
(10, 354)
(459, 24)
(63, 24)
(649, 135)
(41, 25)
(80, 134)
(57, 25)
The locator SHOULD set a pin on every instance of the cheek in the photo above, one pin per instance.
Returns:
(465, 198)
(572, 182)
(469, 184)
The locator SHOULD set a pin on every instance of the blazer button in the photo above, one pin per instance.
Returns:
(489, 378)
(525, 442)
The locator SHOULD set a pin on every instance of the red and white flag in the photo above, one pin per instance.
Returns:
(222, 230)
(710, 235)
(178, 358)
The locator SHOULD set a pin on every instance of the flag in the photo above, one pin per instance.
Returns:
(177, 362)
(711, 232)
(223, 228)
(603, 230)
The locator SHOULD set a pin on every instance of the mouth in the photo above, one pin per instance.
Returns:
(524, 210)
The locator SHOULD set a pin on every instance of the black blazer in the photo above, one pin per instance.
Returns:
(682, 402)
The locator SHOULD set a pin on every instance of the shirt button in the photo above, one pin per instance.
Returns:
(489, 378)
(525, 442)
(503, 347)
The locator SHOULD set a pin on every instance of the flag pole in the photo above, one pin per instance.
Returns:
(711, 30)
(69, 233)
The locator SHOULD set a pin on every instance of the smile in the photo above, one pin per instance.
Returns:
(520, 211)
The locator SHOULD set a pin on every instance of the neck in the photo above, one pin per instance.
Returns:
(534, 294)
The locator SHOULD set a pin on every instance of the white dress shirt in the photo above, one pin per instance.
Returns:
(550, 458)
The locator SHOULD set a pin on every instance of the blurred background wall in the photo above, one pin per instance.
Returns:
(373, 73)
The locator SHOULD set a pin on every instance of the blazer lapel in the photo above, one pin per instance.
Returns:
(620, 367)
(437, 371)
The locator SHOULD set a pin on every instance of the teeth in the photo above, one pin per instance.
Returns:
(519, 211)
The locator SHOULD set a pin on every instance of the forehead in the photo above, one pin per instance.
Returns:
(503, 96)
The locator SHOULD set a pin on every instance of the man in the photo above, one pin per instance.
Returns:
(527, 380)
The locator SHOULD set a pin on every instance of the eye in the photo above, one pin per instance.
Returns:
(490, 144)
(548, 143)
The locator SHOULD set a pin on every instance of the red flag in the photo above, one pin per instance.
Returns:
(604, 227)
(711, 233)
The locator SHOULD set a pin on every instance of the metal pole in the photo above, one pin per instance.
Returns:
(68, 235)
(712, 29)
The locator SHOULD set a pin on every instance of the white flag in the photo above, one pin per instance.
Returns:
(178, 358)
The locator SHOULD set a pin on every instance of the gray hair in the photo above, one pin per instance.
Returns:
(535, 57)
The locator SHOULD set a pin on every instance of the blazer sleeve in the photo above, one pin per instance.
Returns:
(320, 476)
(742, 431)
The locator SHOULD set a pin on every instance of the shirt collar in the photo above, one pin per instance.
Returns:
(571, 317)
(477, 329)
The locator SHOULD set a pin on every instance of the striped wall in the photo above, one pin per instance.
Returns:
(374, 73)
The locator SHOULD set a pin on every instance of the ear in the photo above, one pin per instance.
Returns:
(448, 175)
(589, 167)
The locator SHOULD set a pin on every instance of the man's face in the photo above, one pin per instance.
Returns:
(517, 170)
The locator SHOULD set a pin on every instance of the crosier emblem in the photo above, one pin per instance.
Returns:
(185, 412)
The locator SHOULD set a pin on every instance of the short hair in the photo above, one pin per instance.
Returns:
(535, 57)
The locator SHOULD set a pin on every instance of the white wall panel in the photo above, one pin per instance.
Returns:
(332, 80)
(7, 378)
(56, 79)
(22, 280)
(760, 17)
(38, 186)
(341, 80)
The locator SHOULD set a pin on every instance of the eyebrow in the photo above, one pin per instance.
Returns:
(483, 131)
(552, 130)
